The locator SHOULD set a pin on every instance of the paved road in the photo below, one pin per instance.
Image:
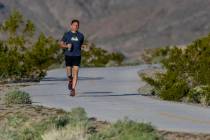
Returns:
(111, 94)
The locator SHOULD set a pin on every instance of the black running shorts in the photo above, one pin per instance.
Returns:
(72, 60)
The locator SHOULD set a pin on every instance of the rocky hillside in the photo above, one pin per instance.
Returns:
(120, 25)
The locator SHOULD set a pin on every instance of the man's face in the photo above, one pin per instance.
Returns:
(74, 26)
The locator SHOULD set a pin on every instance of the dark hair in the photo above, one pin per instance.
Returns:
(75, 20)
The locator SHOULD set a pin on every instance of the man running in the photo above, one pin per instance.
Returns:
(71, 42)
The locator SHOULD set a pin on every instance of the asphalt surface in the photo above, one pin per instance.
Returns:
(111, 94)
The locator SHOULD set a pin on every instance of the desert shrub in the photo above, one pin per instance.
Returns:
(23, 56)
(20, 126)
(17, 97)
(61, 121)
(73, 125)
(174, 91)
(187, 70)
(76, 115)
(29, 134)
(98, 57)
(126, 130)
(168, 86)
(117, 57)
(77, 132)
(16, 120)
(155, 55)
(199, 94)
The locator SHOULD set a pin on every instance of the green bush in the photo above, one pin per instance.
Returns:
(117, 57)
(98, 57)
(168, 86)
(174, 92)
(187, 70)
(61, 121)
(16, 120)
(29, 134)
(127, 130)
(76, 115)
(199, 94)
(17, 97)
(155, 55)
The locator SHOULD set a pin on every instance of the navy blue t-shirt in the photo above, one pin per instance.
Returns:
(76, 39)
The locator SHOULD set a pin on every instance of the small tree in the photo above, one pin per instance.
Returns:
(22, 55)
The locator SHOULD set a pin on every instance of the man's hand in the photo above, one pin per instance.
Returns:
(69, 46)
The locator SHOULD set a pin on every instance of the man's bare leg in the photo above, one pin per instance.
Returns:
(68, 71)
(75, 72)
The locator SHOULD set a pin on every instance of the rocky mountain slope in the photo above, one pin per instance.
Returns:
(120, 25)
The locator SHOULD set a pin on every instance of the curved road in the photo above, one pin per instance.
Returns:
(111, 94)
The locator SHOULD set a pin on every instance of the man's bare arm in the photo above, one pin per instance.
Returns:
(62, 45)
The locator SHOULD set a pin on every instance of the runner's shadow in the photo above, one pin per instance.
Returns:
(93, 92)
(45, 83)
(51, 95)
(108, 95)
(143, 94)
(65, 79)
(91, 78)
